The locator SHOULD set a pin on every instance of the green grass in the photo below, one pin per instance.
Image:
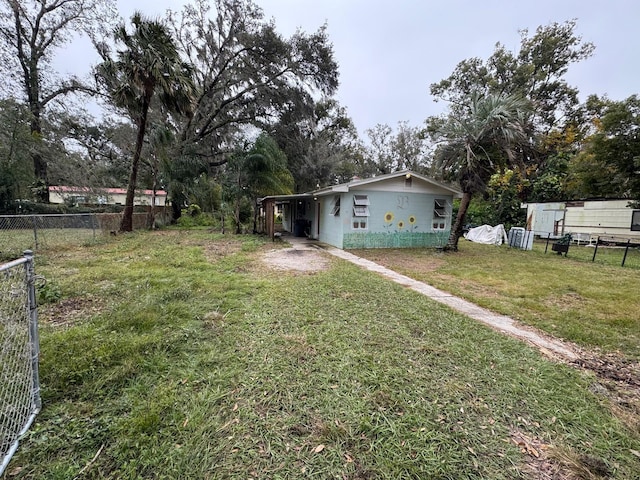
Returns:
(202, 363)
(14, 242)
(592, 304)
(605, 255)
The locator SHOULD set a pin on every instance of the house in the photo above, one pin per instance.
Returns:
(584, 219)
(104, 196)
(401, 209)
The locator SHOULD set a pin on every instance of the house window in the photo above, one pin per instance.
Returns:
(360, 212)
(439, 214)
(360, 205)
(635, 221)
(335, 211)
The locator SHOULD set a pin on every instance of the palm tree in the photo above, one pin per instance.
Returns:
(260, 172)
(147, 68)
(475, 146)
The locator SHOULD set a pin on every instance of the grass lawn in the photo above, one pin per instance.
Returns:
(179, 354)
(593, 304)
(13, 242)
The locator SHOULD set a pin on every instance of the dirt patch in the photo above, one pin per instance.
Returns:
(70, 311)
(566, 301)
(612, 367)
(618, 382)
(296, 260)
(545, 462)
(214, 251)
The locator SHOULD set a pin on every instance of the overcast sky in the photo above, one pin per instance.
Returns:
(390, 51)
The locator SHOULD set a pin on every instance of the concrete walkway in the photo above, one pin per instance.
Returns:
(507, 325)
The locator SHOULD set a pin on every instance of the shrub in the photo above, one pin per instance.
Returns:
(194, 210)
(200, 220)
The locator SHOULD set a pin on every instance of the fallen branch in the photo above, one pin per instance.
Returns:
(91, 462)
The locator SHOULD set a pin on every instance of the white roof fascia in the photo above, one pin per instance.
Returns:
(345, 187)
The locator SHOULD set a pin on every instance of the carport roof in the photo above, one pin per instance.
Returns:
(283, 198)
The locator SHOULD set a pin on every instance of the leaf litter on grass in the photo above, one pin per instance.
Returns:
(392, 385)
(558, 466)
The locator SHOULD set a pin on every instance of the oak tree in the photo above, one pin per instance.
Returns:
(31, 32)
(246, 73)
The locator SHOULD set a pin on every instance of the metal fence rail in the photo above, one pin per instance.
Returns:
(19, 380)
(623, 251)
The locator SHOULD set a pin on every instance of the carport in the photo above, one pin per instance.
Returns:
(295, 212)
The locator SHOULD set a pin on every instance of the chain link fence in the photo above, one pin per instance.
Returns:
(19, 381)
(34, 232)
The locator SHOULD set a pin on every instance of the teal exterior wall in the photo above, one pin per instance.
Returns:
(332, 226)
(396, 220)
(394, 240)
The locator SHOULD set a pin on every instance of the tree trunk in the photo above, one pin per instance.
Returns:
(39, 164)
(456, 229)
(237, 217)
(126, 225)
(255, 216)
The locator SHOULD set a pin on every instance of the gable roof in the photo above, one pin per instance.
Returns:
(345, 187)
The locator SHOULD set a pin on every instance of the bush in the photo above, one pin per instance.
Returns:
(33, 208)
(201, 220)
(193, 210)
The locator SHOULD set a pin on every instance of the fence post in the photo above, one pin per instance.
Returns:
(626, 250)
(33, 328)
(35, 232)
(595, 250)
(547, 245)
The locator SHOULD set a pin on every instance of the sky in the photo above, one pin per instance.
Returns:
(389, 52)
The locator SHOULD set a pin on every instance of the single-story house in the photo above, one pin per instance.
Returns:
(584, 219)
(401, 209)
(104, 196)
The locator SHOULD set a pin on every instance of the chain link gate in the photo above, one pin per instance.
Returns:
(19, 381)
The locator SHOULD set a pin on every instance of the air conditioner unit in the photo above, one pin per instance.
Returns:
(520, 238)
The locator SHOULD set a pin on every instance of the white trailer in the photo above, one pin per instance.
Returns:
(584, 219)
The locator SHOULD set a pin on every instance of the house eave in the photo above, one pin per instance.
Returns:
(346, 187)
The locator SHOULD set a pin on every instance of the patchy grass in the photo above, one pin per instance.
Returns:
(13, 242)
(192, 361)
(592, 304)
